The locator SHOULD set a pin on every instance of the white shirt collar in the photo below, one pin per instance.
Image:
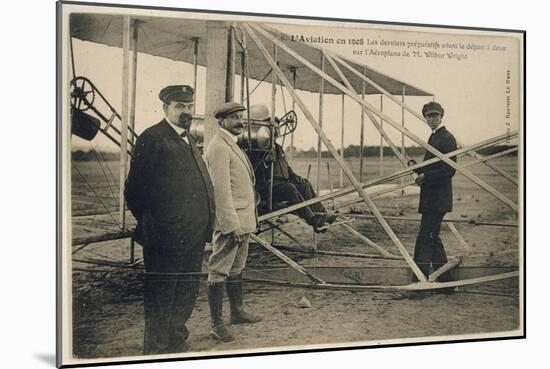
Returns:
(233, 137)
(438, 127)
(178, 129)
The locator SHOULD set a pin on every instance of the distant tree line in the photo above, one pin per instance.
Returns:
(352, 151)
(94, 155)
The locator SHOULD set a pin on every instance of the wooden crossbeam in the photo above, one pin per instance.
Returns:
(294, 265)
(367, 241)
(285, 233)
(101, 238)
(337, 253)
(390, 177)
(451, 264)
(384, 191)
(498, 154)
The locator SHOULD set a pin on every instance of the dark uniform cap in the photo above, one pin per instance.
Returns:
(228, 108)
(432, 107)
(182, 93)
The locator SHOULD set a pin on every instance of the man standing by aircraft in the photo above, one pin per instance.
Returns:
(170, 194)
(436, 196)
(233, 179)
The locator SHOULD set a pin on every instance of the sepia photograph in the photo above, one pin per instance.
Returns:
(240, 184)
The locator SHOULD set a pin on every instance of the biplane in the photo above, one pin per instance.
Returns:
(256, 52)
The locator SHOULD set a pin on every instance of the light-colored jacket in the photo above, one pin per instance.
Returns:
(233, 179)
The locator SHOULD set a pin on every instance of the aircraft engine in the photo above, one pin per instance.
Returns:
(260, 134)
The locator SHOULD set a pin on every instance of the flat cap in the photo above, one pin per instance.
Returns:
(228, 108)
(259, 112)
(432, 107)
(182, 93)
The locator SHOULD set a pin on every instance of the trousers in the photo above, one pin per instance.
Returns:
(228, 257)
(429, 251)
(169, 299)
(295, 192)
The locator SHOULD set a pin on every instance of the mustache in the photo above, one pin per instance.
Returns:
(185, 118)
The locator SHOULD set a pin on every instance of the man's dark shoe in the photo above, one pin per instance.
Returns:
(330, 218)
(220, 333)
(318, 223)
(182, 347)
(242, 317)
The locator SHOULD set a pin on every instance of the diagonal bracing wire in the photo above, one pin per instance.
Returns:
(95, 193)
(103, 163)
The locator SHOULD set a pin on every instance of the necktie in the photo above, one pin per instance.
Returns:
(183, 134)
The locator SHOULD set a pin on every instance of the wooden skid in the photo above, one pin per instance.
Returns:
(420, 286)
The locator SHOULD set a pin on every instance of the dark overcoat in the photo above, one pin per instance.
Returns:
(436, 191)
(169, 191)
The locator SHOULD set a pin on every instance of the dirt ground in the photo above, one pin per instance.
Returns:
(108, 306)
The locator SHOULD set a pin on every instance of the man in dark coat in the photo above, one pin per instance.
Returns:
(436, 196)
(170, 194)
(287, 185)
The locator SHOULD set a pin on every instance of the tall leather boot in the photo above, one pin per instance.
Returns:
(215, 301)
(234, 287)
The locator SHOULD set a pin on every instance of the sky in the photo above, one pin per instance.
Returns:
(471, 86)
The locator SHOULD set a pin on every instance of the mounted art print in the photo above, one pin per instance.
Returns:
(240, 184)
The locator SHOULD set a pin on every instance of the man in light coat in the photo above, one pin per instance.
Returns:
(233, 180)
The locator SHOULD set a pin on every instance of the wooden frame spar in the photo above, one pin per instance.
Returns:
(251, 30)
(484, 144)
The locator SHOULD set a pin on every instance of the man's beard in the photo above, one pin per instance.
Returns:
(185, 120)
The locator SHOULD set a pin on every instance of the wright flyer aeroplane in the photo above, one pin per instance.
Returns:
(237, 55)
